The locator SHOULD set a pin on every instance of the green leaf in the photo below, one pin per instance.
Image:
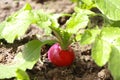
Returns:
(116, 42)
(114, 61)
(1, 28)
(77, 21)
(78, 37)
(27, 7)
(101, 51)
(115, 23)
(111, 8)
(54, 19)
(10, 21)
(30, 54)
(17, 24)
(89, 36)
(83, 11)
(63, 37)
(7, 71)
(22, 75)
(16, 27)
(26, 60)
(109, 34)
(88, 2)
(43, 20)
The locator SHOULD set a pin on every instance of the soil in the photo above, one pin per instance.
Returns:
(83, 67)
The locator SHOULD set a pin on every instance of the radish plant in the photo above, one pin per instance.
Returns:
(14, 27)
(61, 54)
(105, 40)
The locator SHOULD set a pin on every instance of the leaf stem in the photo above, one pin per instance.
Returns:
(64, 38)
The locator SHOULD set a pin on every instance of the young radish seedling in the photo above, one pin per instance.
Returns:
(61, 54)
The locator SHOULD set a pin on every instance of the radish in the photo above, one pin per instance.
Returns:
(61, 54)
(60, 57)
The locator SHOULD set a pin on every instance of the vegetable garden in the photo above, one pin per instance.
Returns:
(60, 40)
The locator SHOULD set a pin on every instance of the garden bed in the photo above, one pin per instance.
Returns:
(83, 67)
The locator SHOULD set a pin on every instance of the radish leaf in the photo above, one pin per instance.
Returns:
(110, 8)
(26, 59)
(77, 21)
(89, 36)
(101, 51)
(17, 24)
(113, 64)
(63, 37)
(22, 75)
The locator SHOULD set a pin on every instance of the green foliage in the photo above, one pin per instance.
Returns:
(22, 75)
(84, 4)
(7, 71)
(26, 59)
(42, 20)
(89, 36)
(113, 64)
(106, 40)
(88, 2)
(14, 27)
(110, 33)
(101, 51)
(78, 21)
(115, 23)
(17, 24)
(110, 8)
(102, 41)
(30, 54)
(63, 37)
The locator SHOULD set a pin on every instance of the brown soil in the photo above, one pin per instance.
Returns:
(83, 68)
